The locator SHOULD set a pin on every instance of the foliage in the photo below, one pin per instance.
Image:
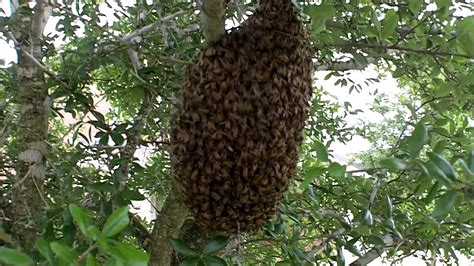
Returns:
(412, 192)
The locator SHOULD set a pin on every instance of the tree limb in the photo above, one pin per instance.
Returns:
(374, 253)
(167, 226)
(212, 19)
(343, 65)
(432, 52)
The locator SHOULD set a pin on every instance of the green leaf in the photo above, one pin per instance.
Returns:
(336, 170)
(368, 218)
(437, 173)
(353, 249)
(114, 262)
(93, 232)
(443, 3)
(138, 93)
(341, 261)
(117, 138)
(14, 257)
(131, 195)
(216, 244)
(190, 261)
(470, 160)
(443, 164)
(321, 151)
(310, 175)
(415, 6)
(130, 254)
(417, 140)
(181, 248)
(214, 261)
(116, 222)
(389, 24)
(100, 187)
(91, 260)
(319, 15)
(432, 193)
(81, 218)
(389, 206)
(393, 164)
(43, 247)
(465, 168)
(64, 252)
(103, 243)
(376, 240)
(444, 204)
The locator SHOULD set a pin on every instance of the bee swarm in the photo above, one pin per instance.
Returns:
(236, 134)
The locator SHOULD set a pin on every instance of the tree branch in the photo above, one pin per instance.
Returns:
(212, 19)
(343, 65)
(129, 38)
(400, 49)
(374, 253)
(404, 31)
(167, 226)
(151, 27)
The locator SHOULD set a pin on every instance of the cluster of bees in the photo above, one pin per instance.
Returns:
(236, 134)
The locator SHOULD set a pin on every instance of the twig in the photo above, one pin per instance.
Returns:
(40, 192)
(365, 170)
(130, 37)
(398, 48)
(152, 26)
(412, 29)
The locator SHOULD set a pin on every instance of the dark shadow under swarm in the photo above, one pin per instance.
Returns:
(236, 135)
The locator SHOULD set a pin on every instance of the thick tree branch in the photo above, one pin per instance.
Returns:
(167, 226)
(212, 19)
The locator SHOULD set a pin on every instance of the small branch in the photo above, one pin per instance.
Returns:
(412, 29)
(343, 66)
(374, 253)
(404, 31)
(128, 39)
(401, 49)
(141, 233)
(38, 63)
(151, 27)
(134, 134)
(402, 133)
(323, 245)
(373, 169)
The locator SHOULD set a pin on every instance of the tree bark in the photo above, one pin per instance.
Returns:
(167, 226)
(374, 253)
(27, 197)
(213, 19)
